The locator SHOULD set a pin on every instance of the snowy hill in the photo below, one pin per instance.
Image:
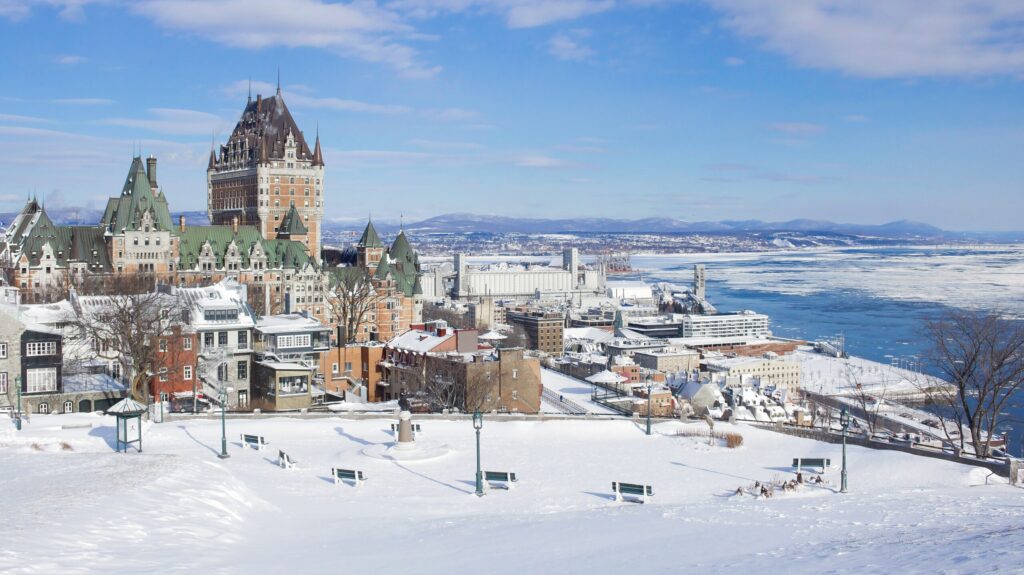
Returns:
(177, 508)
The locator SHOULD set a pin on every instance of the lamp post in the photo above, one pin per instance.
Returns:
(844, 420)
(17, 409)
(478, 423)
(223, 423)
(648, 406)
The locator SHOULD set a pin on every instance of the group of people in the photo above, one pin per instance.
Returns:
(763, 489)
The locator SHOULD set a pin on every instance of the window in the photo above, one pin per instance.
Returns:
(348, 366)
(188, 342)
(208, 339)
(163, 374)
(515, 394)
(334, 368)
(187, 373)
(243, 339)
(44, 408)
(294, 384)
(41, 379)
(163, 345)
(35, 348)
(69, 407)
(515, 372)
(287, 341)
(3, 382)
(222, 372)
(3, 351)
(243, 370)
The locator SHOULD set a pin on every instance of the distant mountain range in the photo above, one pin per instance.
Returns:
(477, 223)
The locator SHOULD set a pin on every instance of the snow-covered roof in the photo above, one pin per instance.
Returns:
(284, 323)
(126, 406)
(419, 341)
(92, 382)
(606, 377)
(593, 334)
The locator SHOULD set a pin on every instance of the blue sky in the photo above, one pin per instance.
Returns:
(699, 110)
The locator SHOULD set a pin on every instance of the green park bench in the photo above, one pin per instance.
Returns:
(643, 491)
(819, 462)
(507, 478)
(284, 460)
(355, 476)
(257, 442)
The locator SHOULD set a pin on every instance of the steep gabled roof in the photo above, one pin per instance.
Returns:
(370, 238)
(260, 134)
(284, 254)
(292, 224)
(125, 211)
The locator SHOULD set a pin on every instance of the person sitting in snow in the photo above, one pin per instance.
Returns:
(818, 480)
(739, 490)
(799, 477)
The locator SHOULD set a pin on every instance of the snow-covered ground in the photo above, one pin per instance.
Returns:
(572, 389)
(832, 376)
(177, 508)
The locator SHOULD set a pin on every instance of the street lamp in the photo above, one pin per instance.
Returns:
(17, 410)
(648, 406)
(478, 423)
(844, 420)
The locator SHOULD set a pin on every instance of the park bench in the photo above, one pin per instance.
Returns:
(257, 442)
(801, 462)
(355, 476)
(284, 460)
(505, 477)
(620, 489)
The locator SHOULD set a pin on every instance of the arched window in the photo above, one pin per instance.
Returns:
(69, 407)
(44, 408)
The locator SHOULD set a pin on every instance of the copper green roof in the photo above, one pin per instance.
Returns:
(292, 224)
(370, 238)
(125, 211)
(285, 254)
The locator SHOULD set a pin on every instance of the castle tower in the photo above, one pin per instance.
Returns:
(266, 169)
(369, 250)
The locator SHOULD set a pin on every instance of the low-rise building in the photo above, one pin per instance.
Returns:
(287, 361)
(770, 369)
(668, 360)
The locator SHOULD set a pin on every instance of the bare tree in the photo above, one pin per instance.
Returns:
(351, 298)
(132, 325)
(981, 355)
(516, 338)
(869, 399)
(455, 319)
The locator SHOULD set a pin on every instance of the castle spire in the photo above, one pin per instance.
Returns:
(250, 90)
(278, 80)
(318, 157)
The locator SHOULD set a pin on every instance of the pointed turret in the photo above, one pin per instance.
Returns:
(370, 239)
(213, 160)
(318, 157)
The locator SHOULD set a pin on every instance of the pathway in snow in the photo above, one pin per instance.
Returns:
(575, 390)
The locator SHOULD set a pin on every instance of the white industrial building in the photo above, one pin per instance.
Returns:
(514, 281)
(741, 324)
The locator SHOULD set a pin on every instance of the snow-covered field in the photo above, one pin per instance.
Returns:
(177, 508)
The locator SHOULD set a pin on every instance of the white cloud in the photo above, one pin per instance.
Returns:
(70, 60)
(539, 161)
(66, 9)
(23, 119)
(568, 46)
(174, 121)
(83, 101)
(797, 128)
(517, 13)
(359, 30)
(906, 38)
(733, 61)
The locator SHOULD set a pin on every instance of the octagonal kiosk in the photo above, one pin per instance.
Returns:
(129, 422)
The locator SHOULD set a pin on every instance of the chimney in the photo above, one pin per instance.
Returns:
(151, 170)
(234, 225)
(181, 224)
